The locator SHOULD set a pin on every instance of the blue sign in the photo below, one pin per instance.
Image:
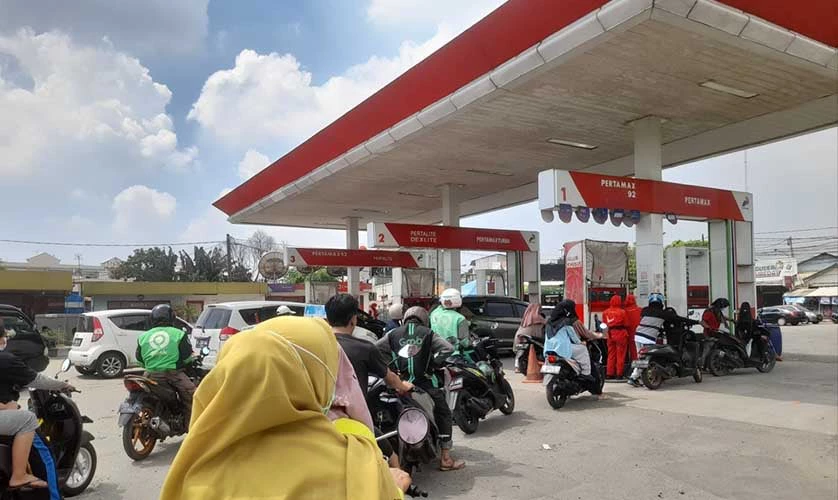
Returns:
(73, 304)
(281, 287)
(315, 311)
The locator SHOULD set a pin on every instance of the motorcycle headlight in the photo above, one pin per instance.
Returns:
(413, 426)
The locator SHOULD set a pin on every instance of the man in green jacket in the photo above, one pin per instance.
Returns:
(164, 351)
(450, 324)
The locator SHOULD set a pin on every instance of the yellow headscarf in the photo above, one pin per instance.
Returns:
(258, 430)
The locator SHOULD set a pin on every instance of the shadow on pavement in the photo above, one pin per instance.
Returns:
(589, 402)
(453, 484)
(496, 422)
(163, 454)
(103, 490)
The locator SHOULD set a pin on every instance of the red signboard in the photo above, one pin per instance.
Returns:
(577, 189)
(304, 257)
(391, 235)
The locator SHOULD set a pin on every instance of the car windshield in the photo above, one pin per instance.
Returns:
(214, 318)
(15, 322)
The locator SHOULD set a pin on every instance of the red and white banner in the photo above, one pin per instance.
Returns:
(302, 257)
(392, 235)
(578, 189)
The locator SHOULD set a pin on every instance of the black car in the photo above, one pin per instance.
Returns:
(374, 325)
(778, 315)
(835, 316)
(493, 316)
(24, 339)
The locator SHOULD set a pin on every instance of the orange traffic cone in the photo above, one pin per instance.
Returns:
(534, 375)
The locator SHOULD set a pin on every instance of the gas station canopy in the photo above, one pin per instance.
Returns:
(542, 84)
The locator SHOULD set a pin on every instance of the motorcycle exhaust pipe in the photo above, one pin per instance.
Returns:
(160, 426)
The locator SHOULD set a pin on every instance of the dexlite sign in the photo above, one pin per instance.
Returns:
(305, 257)
(392, 235)
(564, 190)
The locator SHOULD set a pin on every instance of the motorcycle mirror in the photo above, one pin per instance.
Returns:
(409, 351)
(65, 366)
(603, 326)
(205, 351)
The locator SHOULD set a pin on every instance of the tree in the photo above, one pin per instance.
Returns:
(259, 244)
(204, 266)
(632, 267)
(152, 264)
(293, 276)
(690, 243)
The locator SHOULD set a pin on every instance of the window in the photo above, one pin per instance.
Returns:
(84, 324)
(476, 307)
(12, 320)
(134, 322)
(520, 309)
(499, 310)
(258, 315)
(214, 318)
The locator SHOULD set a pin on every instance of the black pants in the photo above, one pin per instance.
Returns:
(442, 414)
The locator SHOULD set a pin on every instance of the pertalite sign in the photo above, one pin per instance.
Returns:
(558, 188)
(304, 257)
(391, 235)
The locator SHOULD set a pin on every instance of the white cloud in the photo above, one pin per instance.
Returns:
(396, 13)
(141, 212)
(252, 163)
(142, 28)
(92, 107)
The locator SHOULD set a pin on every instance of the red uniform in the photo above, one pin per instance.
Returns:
(615, 318)
(632, 321)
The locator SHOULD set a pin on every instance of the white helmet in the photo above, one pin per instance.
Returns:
(284, 311)
(396, 311)
(451, 299)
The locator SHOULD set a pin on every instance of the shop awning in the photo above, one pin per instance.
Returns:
(824, 291)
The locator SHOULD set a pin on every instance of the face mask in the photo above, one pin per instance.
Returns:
(297, 350)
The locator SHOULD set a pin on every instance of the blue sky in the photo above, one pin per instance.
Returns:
(122, 125)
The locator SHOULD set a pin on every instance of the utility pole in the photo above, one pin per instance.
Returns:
(791, 246)
(78, 264)
(229, 257)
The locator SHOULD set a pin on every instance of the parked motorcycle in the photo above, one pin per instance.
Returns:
(62, 427)
(729, 352)
(660, 362)
(408, 423)
(153, 412)
(563, 378)
(523, 347)
(475, 389)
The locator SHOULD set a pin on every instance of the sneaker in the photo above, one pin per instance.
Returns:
(634, 382)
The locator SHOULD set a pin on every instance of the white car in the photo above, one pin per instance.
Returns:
(218, 322)
(105, 342)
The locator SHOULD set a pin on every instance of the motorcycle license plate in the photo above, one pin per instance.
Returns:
(551, 369)
(126, 412)
(640, 363)
(201, 342)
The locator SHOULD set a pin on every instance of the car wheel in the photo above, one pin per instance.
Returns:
(85, 370)
(781, 321)
(110, 365)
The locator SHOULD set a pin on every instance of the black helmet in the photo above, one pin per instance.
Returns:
(162, 315)
(721, 303)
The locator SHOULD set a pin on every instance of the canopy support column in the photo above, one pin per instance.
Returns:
(450, 217)
(353, 273)
(649, 230)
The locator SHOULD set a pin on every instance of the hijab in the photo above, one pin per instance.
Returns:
(259, 428)
(532, 316)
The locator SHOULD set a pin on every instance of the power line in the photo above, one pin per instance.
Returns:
(798, 230)
(135, 245)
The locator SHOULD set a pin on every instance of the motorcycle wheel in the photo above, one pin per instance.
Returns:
(651, 378)
(465, 421)
(717, 365)
(136, 433)
(697, 375)
(83, 470)
(600, 382)
(555, 400)
(768, 362)
(508, 407)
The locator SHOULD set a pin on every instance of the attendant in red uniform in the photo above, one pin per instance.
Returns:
(714, 316)
(632, 321)
(615, 318)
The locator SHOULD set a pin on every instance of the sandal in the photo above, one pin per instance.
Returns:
(456, 465)
(30, 485)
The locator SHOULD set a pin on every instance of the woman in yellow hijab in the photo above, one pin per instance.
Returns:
(259, 429)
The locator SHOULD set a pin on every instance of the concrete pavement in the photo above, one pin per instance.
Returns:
(748, 435)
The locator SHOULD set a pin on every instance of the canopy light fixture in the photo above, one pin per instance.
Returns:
(579, 145)
(489, 172)
(370, 211)
(712, 85)
(419, 195)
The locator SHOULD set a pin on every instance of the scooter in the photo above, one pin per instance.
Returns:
(563, 378)
(659, 362)
(62, 428)
(153, 412)
(522, 350)
(408, 423)
(475, 389)
(729, 352)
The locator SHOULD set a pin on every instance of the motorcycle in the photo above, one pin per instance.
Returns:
(408, 423)
(474, 390)
(62, 428)
(562, 377)
(153, 412)
(729, 352)
(523, 347)
(659, 362)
